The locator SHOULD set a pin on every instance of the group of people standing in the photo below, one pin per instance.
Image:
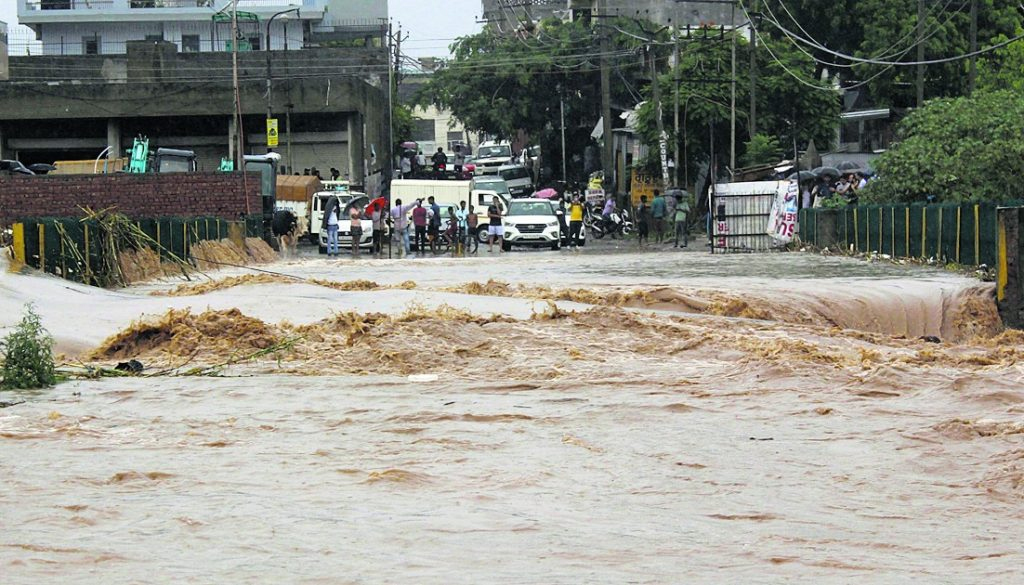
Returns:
(415, 165)
(816, 190)
(666, 215)
(460, 225)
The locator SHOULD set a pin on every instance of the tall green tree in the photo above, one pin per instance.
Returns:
(791, 103)
(955, 150)
(504, 85)
(886, 30)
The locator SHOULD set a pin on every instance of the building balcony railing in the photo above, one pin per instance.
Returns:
(29, 6)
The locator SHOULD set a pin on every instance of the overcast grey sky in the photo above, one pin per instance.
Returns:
(431, 24)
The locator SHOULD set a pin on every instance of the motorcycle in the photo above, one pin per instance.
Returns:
(617, 223)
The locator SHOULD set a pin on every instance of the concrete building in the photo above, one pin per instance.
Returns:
(329, 80)
(91, 27)
(433, 128)
(514, 14)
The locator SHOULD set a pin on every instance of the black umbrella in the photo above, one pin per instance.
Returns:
(828, 172)
(41, 168)
(803, 176)
(847, 165)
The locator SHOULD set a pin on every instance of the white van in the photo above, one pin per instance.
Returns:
(491, 183)
(518, 179)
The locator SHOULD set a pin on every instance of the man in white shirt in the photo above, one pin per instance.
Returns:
(400, 219)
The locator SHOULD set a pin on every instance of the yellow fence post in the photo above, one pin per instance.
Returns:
(856, 232)
(18, 233)
(1002, 272)
(880, 230)
(892, 234)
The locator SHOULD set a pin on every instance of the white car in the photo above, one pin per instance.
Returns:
(532, 222)
(316, 212)
(345, 226)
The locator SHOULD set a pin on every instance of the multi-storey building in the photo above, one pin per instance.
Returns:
(90, 27)
(113, 69)
(513, 14)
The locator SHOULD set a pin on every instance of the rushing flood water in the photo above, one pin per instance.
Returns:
(611, 445)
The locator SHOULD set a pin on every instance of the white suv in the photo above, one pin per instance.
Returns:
(532, 222)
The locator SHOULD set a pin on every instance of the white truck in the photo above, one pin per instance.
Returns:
(448, 194)
(491, 156)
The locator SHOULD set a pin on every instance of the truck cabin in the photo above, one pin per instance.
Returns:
(171, 160)
(266, 166)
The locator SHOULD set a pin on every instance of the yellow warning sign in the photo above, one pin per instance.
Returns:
(271, 132)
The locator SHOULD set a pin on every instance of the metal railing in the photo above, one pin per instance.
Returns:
(36, 5)
(33, 5)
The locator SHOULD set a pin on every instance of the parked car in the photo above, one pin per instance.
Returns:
(532, 222)
(316, 215)
(13, 167)
(520, 183)
(360, 202)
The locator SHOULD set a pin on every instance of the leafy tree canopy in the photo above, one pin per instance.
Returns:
(789, 101)
(886, 30)
(957, 150)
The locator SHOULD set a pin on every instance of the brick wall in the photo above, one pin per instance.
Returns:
(137, 196)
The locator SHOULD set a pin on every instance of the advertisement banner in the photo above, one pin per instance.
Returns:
(272, 138)
(782, 222)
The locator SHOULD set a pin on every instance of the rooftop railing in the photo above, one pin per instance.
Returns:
(35, 5)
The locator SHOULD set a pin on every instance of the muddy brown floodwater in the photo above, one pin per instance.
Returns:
(524, 418)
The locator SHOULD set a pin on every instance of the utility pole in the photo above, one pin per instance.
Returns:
(972, 72)
(392, 66)
(561, 106)
(676, 67)
(240, 153)
(270, 107)
(752, 123)
(732, 99)
(920, 53)
(608, 152)
(656, 94)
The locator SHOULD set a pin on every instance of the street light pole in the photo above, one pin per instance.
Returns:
(270, 109)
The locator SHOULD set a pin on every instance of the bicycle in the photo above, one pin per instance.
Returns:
(448, 242)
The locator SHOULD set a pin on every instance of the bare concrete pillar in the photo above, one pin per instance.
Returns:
(114, 138)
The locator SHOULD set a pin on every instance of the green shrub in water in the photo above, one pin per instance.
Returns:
(27, 356)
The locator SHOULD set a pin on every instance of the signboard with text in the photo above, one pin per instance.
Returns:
(272, 138)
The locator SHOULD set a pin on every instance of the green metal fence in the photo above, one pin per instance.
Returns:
(961, 233)
(71, 247)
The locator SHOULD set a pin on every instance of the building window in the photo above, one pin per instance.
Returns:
(254, 42)
(423, 130)
(91, 45)
(189, 43)
(455, 139)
